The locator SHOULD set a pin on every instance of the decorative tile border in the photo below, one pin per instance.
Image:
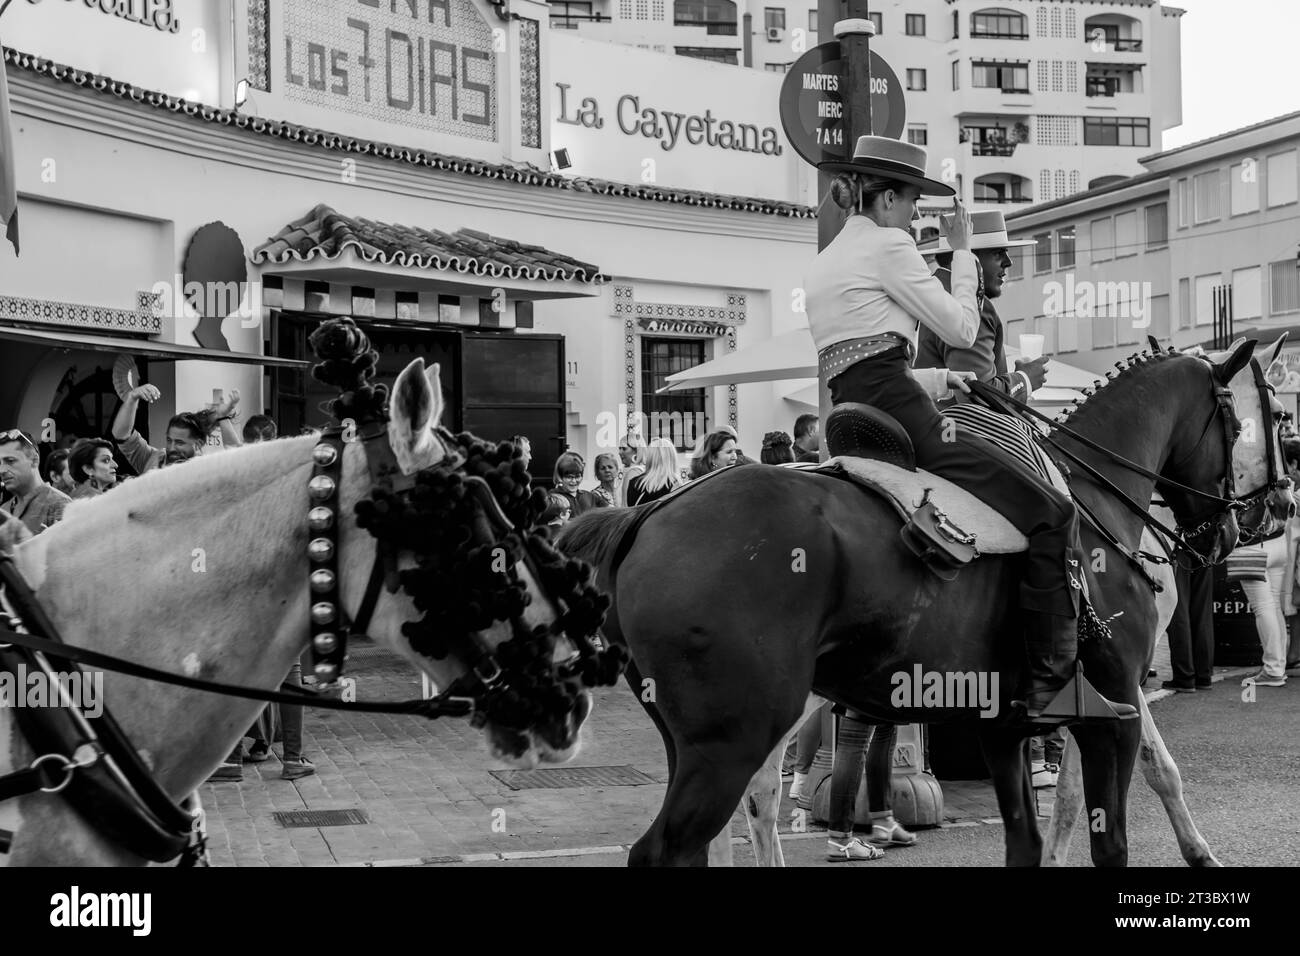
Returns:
(146, 317)
(259, 45)
(530, 84)
(663, 318)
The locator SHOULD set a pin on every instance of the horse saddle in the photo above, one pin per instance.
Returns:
(944, 525)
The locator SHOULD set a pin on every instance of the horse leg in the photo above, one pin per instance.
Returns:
(1108, 754)
(762, 804)
(1004, 752)
(1066, 807)
(1162, 776)
(701, 799)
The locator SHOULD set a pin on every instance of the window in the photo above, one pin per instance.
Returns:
(1017, 268)
(1157, 226)
(918, 135)
(1067, 336)
(1184, 204)
(1007, 77)
(915, 25)
(778, 67)
(1126, 234)
(677, 416)
(1243, 188)
(1205, 286)
(1065, 247)
(1282, 179)
(1205, 190)
(1116, 131)
(1184, 304)
(1043, 253)
(956, 25)
(998, 26)
(713, 54)
(877, 19)
(956, 64)
(812, 23)
(774, 18)
(1103, 329)
(1158, 311)
(1247, 284)
(718, 16)
(1103, 239)
(916, 79)
(1284, 286)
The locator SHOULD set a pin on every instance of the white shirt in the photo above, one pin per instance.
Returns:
(871, 279)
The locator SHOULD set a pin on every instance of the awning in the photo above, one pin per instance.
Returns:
(791, 355)
(154, 351)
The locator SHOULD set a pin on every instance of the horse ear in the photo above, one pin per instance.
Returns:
(1155, 344)
(1277, 347)
(415, 406)
(1242, 353)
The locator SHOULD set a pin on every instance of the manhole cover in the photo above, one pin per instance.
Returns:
(561, 778)
(320, 818)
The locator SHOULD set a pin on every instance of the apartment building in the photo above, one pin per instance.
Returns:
(1018, 102)
(1211, 229)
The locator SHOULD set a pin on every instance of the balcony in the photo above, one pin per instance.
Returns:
(992, 149)
(571, 21)
(714, 28)
(1003, 188)
(1102, 85)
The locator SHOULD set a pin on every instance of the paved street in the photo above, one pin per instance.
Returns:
(430, 798)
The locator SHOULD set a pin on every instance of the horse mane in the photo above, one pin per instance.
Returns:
(1139, 363)
(593, 535)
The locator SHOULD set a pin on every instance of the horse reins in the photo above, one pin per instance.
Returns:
(1223, 411)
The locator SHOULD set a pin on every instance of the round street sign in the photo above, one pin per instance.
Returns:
(811, 104)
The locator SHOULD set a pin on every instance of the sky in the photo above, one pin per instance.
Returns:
(1241, 65)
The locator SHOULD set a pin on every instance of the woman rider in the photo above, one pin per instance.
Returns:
(866, 294)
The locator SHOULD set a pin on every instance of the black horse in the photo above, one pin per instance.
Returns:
(744, 594)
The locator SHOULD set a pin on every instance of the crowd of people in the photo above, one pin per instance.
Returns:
(37, 495)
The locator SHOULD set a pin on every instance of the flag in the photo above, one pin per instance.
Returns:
(8, 180)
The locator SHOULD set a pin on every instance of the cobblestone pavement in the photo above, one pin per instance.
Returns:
(429, 795)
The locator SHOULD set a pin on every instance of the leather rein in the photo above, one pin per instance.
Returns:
(1224, 412)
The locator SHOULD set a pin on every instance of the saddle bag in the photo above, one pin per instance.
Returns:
(943, 547)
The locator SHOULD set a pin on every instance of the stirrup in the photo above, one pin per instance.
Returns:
(1078, 700)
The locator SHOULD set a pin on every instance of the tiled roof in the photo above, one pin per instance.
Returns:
(524, 174)
(326, 234)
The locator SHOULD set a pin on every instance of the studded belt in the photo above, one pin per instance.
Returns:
(836, 358)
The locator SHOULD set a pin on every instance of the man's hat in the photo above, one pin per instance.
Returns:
(890, 158)
(988, 231)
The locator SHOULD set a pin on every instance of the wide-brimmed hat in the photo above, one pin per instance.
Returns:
(988, 231)
(890, 158)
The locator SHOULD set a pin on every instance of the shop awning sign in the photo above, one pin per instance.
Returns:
(811, 106)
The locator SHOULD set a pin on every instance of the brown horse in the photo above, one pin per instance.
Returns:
(760, 585)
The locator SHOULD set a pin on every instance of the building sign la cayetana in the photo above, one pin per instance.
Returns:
(668, 127)
(150, 13)
(428, 64)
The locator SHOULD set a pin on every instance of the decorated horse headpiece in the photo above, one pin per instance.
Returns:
(472, 524)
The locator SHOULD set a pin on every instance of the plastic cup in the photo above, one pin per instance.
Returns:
(1031, 347)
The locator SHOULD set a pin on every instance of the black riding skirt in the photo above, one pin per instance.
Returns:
(1044, 515)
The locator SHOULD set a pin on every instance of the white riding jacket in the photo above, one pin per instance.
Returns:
(871, 279)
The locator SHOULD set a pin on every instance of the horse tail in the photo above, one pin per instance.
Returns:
(594, 535)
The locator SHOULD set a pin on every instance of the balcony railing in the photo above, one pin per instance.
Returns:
(1003, 199)
(999, 36)
(992, 149)
(1102, 86)
(1119, 44)
(570, 21)
(715, 28)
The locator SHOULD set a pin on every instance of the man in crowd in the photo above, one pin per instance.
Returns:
(807, 438)
(187, 432)
(57, 472)
(32, 501)
(987, 359)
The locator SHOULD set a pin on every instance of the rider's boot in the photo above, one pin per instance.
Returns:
(1056, 690)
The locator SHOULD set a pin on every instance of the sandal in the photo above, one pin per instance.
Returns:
(258, 753)
(853, 851)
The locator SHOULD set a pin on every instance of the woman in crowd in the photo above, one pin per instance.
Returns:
(606, 466)
(569, 468)
(718, 450)
(660, 475)
(778, 449)
(93, 467)
(632, 454)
